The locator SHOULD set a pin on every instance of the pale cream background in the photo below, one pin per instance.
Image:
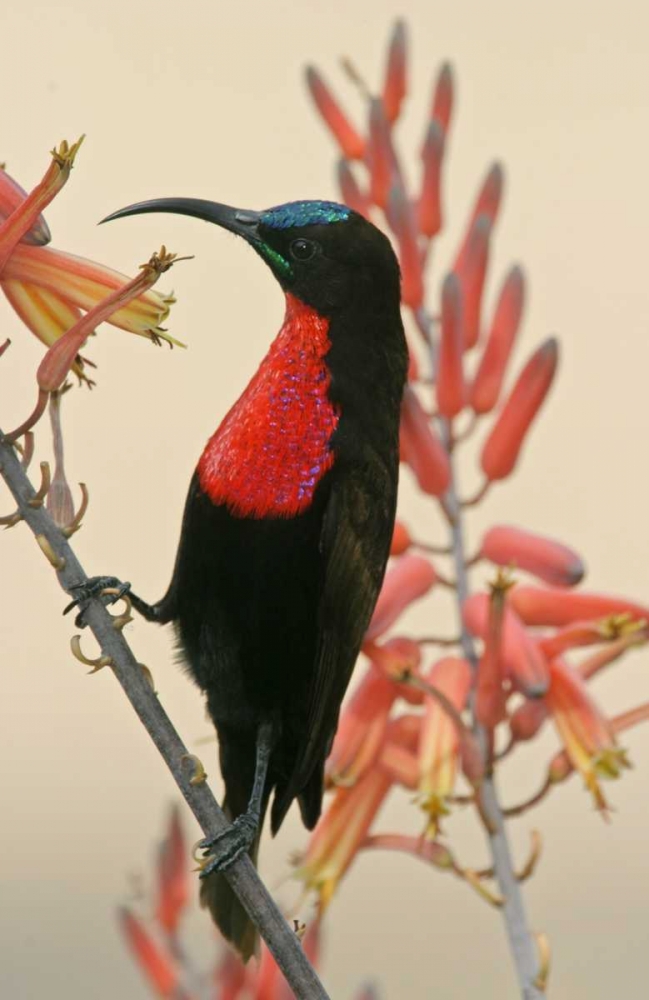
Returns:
(206, 99)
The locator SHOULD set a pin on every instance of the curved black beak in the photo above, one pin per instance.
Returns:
(236, 220)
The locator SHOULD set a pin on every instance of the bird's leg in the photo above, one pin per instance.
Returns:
(95, 585)
(230, 844)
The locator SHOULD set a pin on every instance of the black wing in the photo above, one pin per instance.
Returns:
(355, 541)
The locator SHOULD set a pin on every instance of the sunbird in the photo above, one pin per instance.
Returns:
(288, 521)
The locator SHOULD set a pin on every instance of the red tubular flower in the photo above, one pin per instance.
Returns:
(340, 833)
(350, 192)
(157, 966)
(549, 560)
(592, 633)
(451, 392)
(487, 203)
(546, 606)
(409, 578)
(381, 155)
(439, 740)
(588, 738)
(401, 540)
(231, 977)
(527, 719)
(442, 103)
(349, 140)
(344, 827)
(503, 445)
(472, 276)
(488, 381)
(402, 218)
(522, 658)
(429, 205)
(395, 86)
(173, 876)
(11, 197)
(397, 659)
(422, 449)
(361, 729)
(491, 696)
(48, 288)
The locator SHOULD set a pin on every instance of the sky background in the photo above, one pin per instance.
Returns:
(207, 100)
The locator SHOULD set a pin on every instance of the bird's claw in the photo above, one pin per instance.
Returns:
(95, 586)
(228, 846)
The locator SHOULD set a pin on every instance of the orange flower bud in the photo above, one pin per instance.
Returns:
(472, 276)
(442, 102)
(395, 88)
(491, 696)
(157, 966)
(350, 191)
(421, 448)
(173, 876)
(429, 206)
(488, 381)
(487, 203)
(547, 606)
(549, 560)
(451, 392)
(401, 539)
(397, 658)
(588, 738)
(231, 976)
(527, 719)
(381, 155)
(439, 742)
(402, 218)
(502, 448)
(409, 578)
(351, 143)
(522, 658)
(362, 728)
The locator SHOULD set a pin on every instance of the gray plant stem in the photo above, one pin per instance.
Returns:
(242, 876)
(521, 943)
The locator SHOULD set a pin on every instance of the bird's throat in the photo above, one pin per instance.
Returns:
(274, 446)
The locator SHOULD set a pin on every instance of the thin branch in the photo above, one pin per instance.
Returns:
(278, 935)
(521, 941)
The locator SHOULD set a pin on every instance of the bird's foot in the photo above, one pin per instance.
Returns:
(95, 586)
(228, 846)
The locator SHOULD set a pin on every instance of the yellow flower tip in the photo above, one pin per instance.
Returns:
(64, 156)
(161, 261)
(503, 581)
(617, 626)
(610, 762)
(158, 334)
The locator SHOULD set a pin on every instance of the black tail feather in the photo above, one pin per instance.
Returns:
(227, 912)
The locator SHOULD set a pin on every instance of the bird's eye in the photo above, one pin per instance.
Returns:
(303, 249)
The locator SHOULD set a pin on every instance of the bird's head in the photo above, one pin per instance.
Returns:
(321, 252)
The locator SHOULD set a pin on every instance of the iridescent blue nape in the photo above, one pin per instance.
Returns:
(304, 213)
